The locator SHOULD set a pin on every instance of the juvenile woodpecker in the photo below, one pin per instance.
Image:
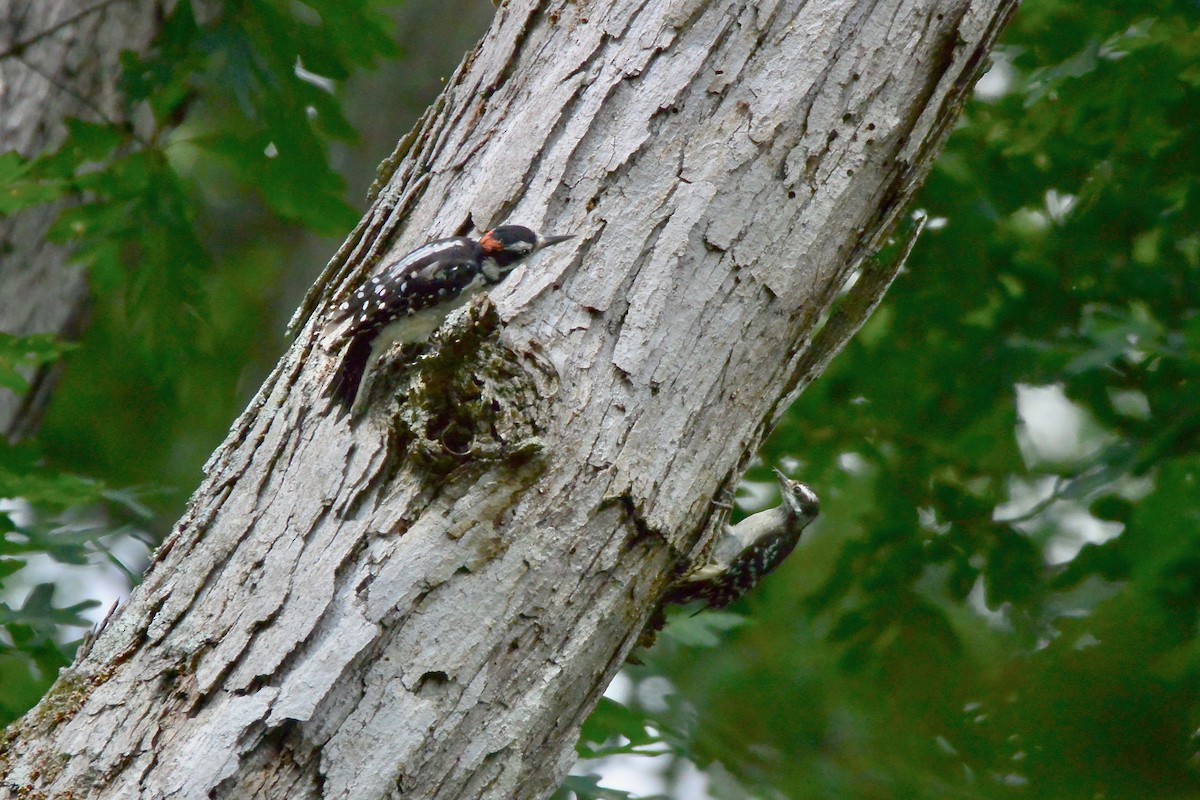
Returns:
(412, 295)
(745, 553)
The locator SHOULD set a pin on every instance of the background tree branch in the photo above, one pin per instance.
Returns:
(428, 604)
(59, 59)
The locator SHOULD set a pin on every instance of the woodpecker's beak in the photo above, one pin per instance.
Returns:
(783, 479)
(546, 241)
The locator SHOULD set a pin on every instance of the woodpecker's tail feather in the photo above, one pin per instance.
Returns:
(344, 386)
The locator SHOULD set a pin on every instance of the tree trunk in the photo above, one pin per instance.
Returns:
(428, 603)
(61, 59)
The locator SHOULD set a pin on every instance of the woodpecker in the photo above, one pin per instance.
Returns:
(745, 553)
(412, 295)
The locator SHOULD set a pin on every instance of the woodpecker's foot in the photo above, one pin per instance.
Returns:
(724, 500)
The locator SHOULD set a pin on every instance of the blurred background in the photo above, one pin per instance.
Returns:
(1000, 597)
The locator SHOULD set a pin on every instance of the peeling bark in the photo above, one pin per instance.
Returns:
(59, 59)
(428, 603)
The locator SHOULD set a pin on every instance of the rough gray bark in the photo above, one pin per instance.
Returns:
(59, 59)
(428, 604)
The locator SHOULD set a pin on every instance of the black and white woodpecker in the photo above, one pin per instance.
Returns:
(412, 295)
(745, 553)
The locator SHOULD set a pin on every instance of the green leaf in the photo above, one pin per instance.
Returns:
(92, 141)
(10, 566)
(587, 787)
(26, 353)
(12, 166)
(704, 629)
(1043, 82)
(613, 721)
(19, 191)
(39, 613)
(55, 490)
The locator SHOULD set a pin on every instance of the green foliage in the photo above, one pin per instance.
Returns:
(244, 100)
(702, 630)
(250, 92)
(587, 787)
(70, 520)
(19, 353)
(32, 655)
(612, 721)
(945, 631)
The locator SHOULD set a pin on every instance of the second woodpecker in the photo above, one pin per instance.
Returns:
(745, 553)
(412, 295)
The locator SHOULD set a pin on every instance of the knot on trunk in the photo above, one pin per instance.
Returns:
(466, 399)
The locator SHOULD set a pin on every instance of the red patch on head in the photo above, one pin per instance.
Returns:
(490, 245)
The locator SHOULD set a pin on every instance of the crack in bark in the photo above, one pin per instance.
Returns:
(644, 532)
